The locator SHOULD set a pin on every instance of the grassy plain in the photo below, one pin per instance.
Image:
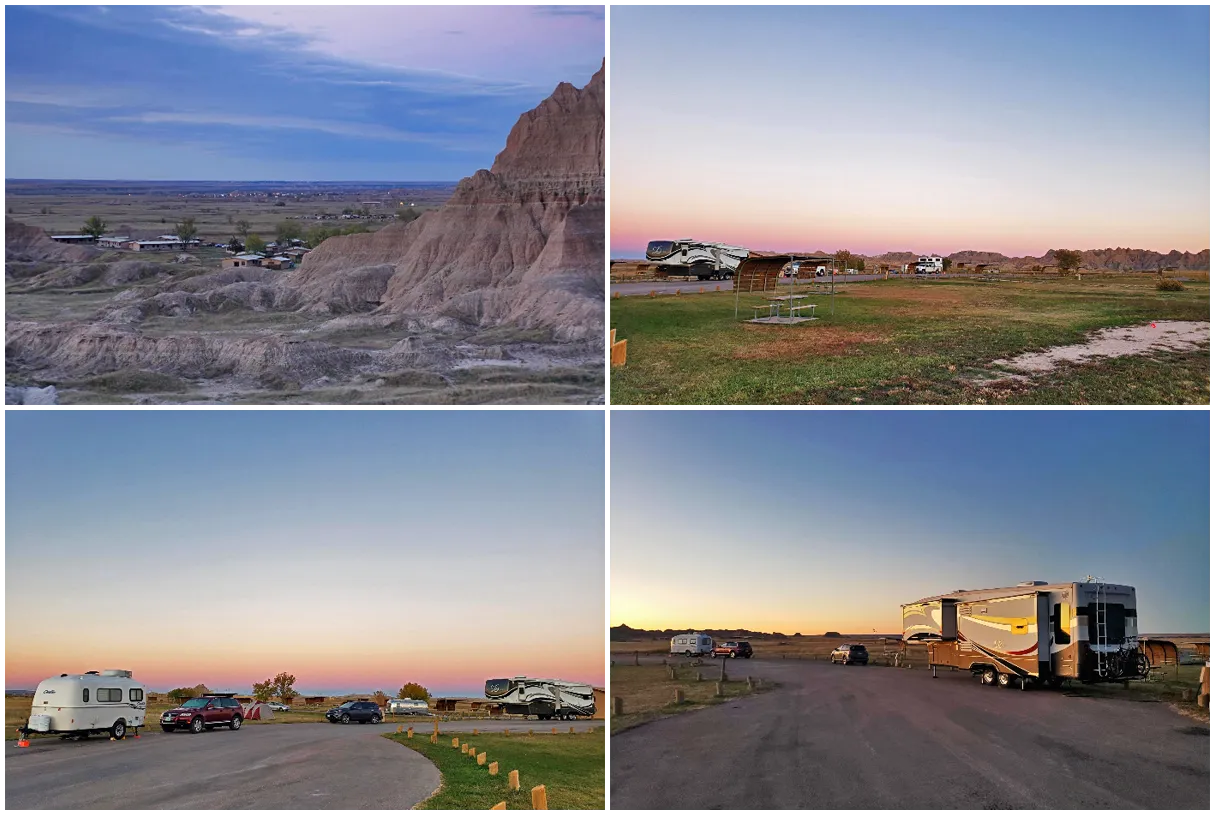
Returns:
(648, 691)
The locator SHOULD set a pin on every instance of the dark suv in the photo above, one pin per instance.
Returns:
(733, 649)
(349, 712)
(203, 713)
(850, 655)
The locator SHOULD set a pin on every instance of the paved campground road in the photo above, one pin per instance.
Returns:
(836, 737)
(270, 766)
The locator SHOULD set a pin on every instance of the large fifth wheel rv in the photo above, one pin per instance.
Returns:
(542, 698)
(92, 703)
(697, 259)
(1032, 633)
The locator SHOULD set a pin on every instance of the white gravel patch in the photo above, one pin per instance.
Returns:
(1164, 335)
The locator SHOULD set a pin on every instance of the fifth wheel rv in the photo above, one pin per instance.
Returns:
(1032, 633)
(82, 705)
(542, 698)
(697, 259)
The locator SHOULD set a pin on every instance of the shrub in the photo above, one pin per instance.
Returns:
(1169, 284)
(134, 381)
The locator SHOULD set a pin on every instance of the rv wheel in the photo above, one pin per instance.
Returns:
(1055, 682)
(1004, 680)
(988, 677)
(236, 723)
(119, 729)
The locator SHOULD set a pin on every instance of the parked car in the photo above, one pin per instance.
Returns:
(349, 712)
(733, 649)
(850, 655)
(278, 707)
(203, 713)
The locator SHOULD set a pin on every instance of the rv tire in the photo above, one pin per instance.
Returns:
(1055, 682)
(988, 676)
(1004, 680)
(196, 725)
(235, 723)
(119, 729)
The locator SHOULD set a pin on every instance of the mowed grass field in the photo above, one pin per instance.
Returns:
(908, 342)
(648, 690)
(569, 765)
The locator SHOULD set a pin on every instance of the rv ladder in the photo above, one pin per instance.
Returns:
(1102, 635)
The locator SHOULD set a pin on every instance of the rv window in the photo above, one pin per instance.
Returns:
(136, 694)
(109, 694)
(1063, 624)
(86, 694)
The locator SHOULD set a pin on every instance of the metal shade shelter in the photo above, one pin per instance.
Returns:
(757, 272)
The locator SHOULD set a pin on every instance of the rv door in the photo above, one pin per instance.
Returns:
(949, 620)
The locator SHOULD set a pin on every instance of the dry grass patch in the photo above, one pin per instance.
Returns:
(648, 691)
(804, 342)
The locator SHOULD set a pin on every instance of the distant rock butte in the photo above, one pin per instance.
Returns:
(521, 244)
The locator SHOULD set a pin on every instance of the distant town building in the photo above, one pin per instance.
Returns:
(162, 244)
(237, 261)
(74, 238)
(110, 242)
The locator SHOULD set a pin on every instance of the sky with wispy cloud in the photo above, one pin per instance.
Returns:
(307, 93)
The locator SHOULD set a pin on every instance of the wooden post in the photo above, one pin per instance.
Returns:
(472, 751)
(399, 728)
(750, 684)
(455, 742)
(636, 658)
(493, 768)
(617, 706)
(499, 805)
(539, 798)
(719, 691)
(671, 672)
(723, 670)
(409, 733)
(480, 759)
(434, 738)
(506, 732)
(678, 696)
(475, 733)
(512, 780)
(571, 730)
(464, 747)
(613, 337)
(554, 731)
(530, 732)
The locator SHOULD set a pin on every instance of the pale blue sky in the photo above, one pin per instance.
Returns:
(928, 129)
(352, 548)
(807, 521)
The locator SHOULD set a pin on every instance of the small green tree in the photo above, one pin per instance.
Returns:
(946, 263)
(286, 231)
(1068, 259)
(93, 226)
(255, 244)
(242, 228)
(284, 687)
(262, 691)
(186, 230)
(412, 690)
(235, 245)
(408, 214)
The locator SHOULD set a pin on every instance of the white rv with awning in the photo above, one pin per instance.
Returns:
(88, 704)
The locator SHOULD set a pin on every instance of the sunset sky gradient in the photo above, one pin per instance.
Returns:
(814, 521)
(923, 129)
(356, 550)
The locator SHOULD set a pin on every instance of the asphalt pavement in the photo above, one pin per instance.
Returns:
(859, 737)
(267, 766)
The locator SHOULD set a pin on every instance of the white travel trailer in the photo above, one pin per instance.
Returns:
(408, 706)
(695, 644)
(88, 704)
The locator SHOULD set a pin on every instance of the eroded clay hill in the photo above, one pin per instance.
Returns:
(520, 244)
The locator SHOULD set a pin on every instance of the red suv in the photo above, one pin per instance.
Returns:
(733, 649)
(203, 713)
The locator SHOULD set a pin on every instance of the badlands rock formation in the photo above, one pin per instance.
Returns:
(520, 244)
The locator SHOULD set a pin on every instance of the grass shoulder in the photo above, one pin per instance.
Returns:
(570, 766)
(649, 691)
